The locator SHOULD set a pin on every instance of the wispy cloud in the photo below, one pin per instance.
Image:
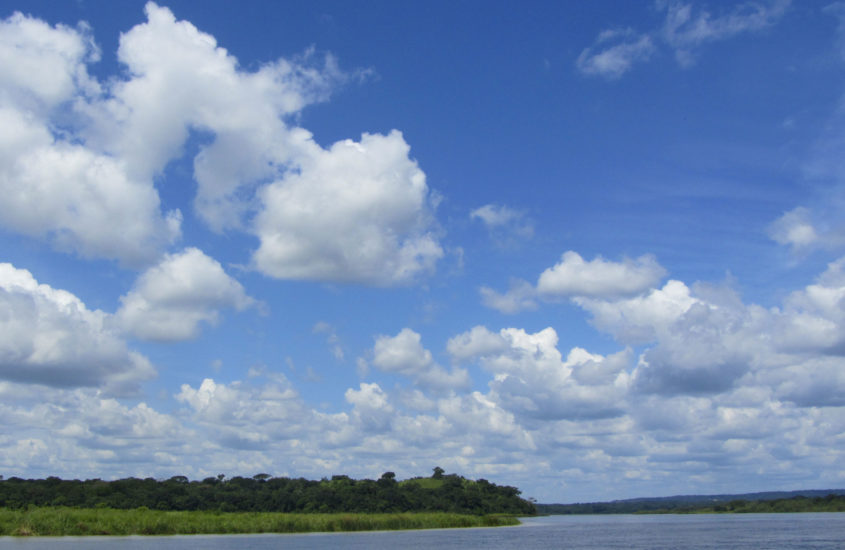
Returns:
(685, 29)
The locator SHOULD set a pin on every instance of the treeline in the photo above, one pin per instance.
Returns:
(800, 503)
(829, 503)
(263, 493)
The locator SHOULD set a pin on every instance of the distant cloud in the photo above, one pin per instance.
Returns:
(837, 9)
(170, 300)
(684, 31)
(615, 52)
(794, 229)
(520, 296)
(333, 341)
(505, 225)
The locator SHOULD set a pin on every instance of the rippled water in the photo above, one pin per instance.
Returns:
(646, 532)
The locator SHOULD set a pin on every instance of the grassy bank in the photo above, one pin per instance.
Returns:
(75, 522)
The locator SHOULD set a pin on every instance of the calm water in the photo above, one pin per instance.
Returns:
(699, 532)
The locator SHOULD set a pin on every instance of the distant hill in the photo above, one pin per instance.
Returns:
(685, 503)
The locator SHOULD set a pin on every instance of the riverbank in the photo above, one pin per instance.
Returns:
(61, 521)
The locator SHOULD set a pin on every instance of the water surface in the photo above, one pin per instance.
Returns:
(606, 532)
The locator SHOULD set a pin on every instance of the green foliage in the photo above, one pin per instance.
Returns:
(262, 493)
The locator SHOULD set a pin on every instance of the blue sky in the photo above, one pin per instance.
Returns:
(595, 250)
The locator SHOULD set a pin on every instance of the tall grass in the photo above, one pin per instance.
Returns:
(103, 521)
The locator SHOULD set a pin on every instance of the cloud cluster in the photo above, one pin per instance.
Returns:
(704, 390)
(77, 156)
(615, 52)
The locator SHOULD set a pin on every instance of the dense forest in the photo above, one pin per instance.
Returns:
(814, 502)
(263, 493)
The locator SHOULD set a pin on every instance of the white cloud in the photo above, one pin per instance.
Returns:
(358, 212)
(641, 318)
(405, 355)
(813, 318)
(60, 53)
(171, 299)
(477, 342)
(241, 416)
(53, 185)
(181, 80)
(49, 337)
(613, 61)
(370, 407)
(573, 276)
(532, 379)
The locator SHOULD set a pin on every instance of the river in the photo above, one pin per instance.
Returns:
(605, 532)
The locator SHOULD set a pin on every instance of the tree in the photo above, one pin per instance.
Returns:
(438, 472)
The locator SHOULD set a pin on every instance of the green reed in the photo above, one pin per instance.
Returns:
(60, 521)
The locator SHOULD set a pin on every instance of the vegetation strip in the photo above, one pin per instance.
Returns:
(262, 493)
(61, 521)
(829, 503)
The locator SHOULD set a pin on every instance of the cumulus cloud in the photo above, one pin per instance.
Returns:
(404, 354)
(370, 407)
(50, 338)
(685, 29)
(641, 318)
(358, 212)
(532, 379)
(575, 278)
(812, 319)
(170, 300)
(248, 417)
(181, 81)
